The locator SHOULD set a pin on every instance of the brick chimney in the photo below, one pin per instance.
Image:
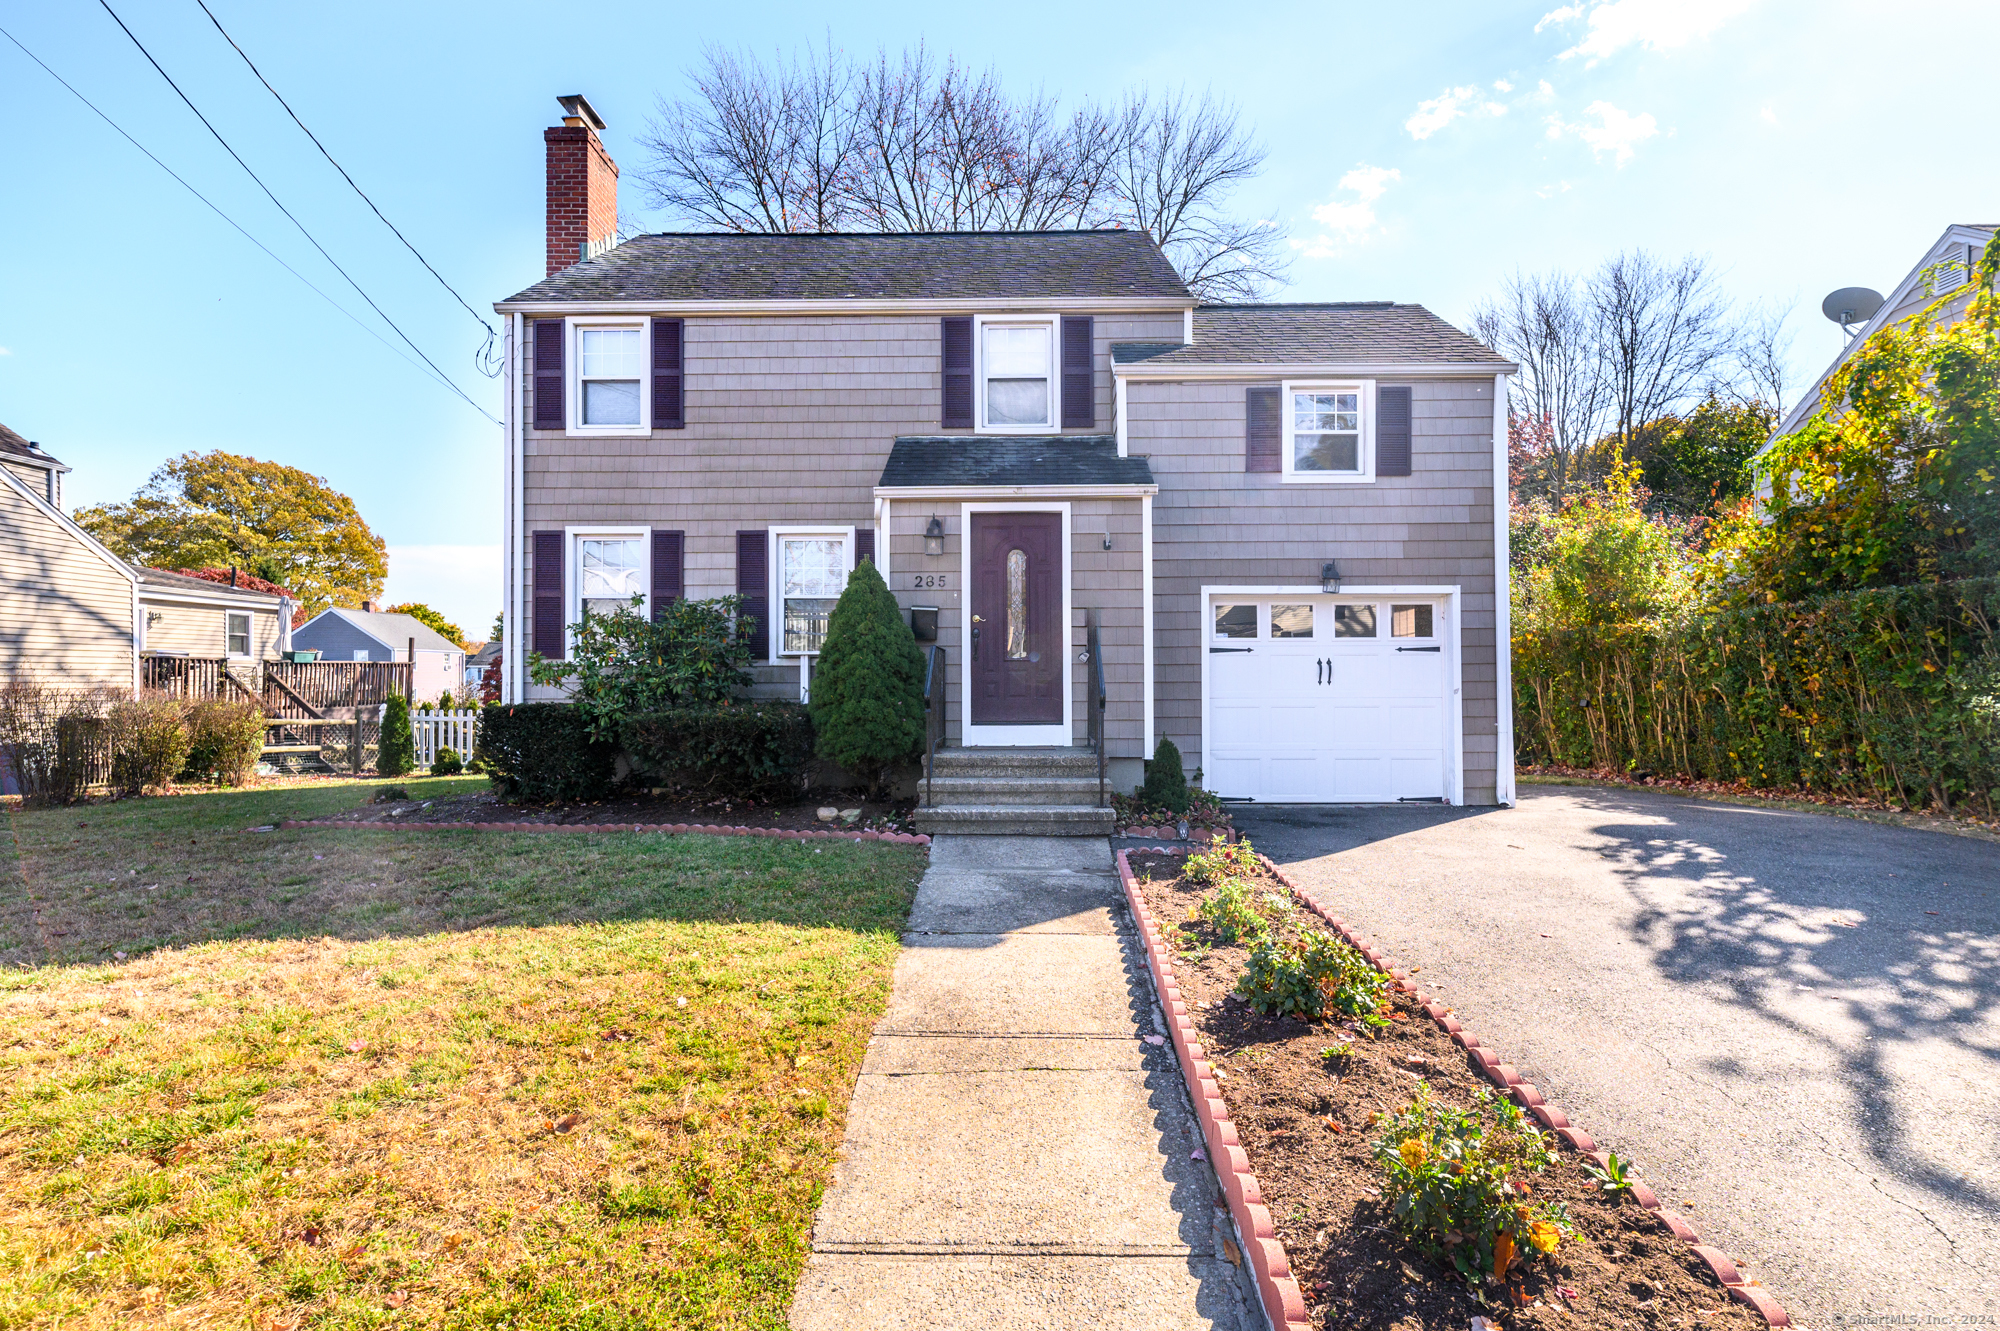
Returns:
(583, 187)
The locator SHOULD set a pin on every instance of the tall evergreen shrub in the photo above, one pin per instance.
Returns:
(868, 688)
(1166, 783)
(398, 753)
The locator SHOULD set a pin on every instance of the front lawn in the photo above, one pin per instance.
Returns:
(461, 1079)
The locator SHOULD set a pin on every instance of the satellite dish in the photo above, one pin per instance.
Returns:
(1851, 305)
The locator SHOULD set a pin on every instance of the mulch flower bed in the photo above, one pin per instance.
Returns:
(795, 815)
(1305, 1124)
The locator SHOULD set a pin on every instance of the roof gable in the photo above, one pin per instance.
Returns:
(915, 266)
(391, 631)
(1353, 332)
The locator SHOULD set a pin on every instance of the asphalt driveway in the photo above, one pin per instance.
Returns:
(1790, 1021)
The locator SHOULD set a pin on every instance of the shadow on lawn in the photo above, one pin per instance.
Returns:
(81, 885)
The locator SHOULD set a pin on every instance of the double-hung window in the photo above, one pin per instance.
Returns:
(236, 627)
(610, 377)
(610, 571)
(812, 569)
(1016, 373)
(1329, 431)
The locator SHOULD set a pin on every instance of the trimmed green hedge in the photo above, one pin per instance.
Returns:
(747, 748)
(1890, 694)
(542, 751)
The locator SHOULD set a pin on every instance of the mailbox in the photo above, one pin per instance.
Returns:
(923, 622)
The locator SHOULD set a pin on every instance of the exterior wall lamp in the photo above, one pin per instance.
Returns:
(934, 536)
(1329, 576)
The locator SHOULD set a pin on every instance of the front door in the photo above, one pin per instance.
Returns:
(1017, 642)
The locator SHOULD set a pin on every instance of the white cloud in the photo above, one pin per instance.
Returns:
(1616, 132)
(1769, 115)
(1545, 92)
(5, 351)
(460, 582)
(1433, 115)
(1352, 220)
(1501, 85)
(1550, 191)
(1658, 25)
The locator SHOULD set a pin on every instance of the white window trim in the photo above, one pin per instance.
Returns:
(1449, 599)
(249, 634)
(774, 595)
(1365, 476)
(975, 736)
(573, 377)
(979, 323)
(573, 571)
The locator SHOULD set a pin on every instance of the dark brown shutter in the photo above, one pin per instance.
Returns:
(1392, 432)
(669, 570)
(1262, 433)
(548, 374)
(864, 545)
(1079, 403)
(548, 585)
(955, 355)
(669, 407)
(753, 584)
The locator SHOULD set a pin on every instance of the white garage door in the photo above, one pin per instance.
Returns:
(1327, 699)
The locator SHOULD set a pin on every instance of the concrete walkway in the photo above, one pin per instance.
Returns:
(1016, 1154)
(1789, 1020)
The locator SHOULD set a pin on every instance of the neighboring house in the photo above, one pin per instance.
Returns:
(370, 634)
(476, 663)
(216, 615)
(68, 606)
(1944, 274)
(1282, 518)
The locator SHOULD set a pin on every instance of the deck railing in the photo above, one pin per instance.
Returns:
(313, 688)
(193, 677)
(934, 686)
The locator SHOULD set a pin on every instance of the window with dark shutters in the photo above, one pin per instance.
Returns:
(669, 570)
(548, 374)
(864, 545)
(753, 584)
(1392, 431)
(669, 406)
(955, 356)
(1079, 403)
(1263, 431)
(548, 595)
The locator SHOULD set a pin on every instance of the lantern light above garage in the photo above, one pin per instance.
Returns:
(1329, 576)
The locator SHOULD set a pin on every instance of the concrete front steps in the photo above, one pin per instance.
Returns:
(1013, 792)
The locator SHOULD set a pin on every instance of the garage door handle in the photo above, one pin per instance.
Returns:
(1231, 649)
(1420, 649)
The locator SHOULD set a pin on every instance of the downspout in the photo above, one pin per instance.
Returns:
(1146, 615)
(1503, 606)
(513, 630)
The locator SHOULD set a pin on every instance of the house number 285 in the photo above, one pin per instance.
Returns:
(927, 580)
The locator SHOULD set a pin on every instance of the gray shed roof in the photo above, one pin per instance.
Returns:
(1071, 460)
(939, 265)
(389, 630)
(1362, 332)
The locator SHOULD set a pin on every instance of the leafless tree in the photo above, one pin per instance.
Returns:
(1663, 336)
(913, 142)
(1762, 344)
(1544, 322)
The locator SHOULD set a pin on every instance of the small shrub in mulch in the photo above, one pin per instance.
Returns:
(1398, 1181)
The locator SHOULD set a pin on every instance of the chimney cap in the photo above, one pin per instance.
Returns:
(578, 112)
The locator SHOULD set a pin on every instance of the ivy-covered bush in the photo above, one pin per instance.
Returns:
(149, 742)
(742, 749)
(225, 739)
(1457, 1184)
(544, 751)
(1310, 977)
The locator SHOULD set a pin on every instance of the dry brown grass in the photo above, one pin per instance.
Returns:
(472, 1096)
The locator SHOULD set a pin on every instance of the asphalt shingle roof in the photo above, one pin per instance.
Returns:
(1371, 332)
(390, 630)
(163, 577)
(953, 265)
(10, 442)
(1086, 459)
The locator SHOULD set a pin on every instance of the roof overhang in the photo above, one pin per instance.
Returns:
(855, 305)
(1142, 370)
(1015, 491)
(220, 598)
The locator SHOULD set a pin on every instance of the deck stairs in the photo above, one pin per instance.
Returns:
(1044, 791)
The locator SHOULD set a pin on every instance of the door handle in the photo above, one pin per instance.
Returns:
(1319, 670)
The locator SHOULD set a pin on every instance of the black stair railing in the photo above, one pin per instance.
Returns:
(1095, 704)
(934, 686)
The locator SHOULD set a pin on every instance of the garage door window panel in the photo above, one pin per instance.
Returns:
(1410, 621)
(1354, 621)
(1236, 621)
(1291, 621)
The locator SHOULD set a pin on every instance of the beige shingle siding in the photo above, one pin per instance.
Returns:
(65, 613)
(1214, 524)
(789, 421)
(201, 630)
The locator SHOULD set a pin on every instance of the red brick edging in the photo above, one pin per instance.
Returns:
(679, 829)
(1282, 1301)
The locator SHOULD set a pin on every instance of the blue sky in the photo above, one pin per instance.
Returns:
(1418, 153)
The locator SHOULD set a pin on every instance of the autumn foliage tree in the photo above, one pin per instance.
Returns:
(203, 510)
(430, 619)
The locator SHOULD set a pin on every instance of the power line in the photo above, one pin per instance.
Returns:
(288, 212)
(217, 211)
(490, 332)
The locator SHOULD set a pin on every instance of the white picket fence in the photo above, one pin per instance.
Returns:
(444, 730)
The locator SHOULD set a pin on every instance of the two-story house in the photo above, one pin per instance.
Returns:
(1286, 522)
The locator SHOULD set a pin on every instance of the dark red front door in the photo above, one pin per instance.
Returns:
(1017, 642)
